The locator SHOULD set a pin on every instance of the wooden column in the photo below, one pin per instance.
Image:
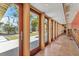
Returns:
(57, 30)
(42, 31)
(20, 29)
(26, 19)
(53, 30)
(49, 31)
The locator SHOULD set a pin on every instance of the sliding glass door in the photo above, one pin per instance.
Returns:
(52, 30)
(9, 30)
(46, 30)
(34, 32)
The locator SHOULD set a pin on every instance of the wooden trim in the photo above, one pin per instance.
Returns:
(20, 29)
(42, 31)
(46, 43)
(34, 51)
(52, 30)
(46, 16)
(55, 30)
(49, 31)
(26, 18)
(33, 9)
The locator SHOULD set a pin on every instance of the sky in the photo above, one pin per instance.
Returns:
(10, 11)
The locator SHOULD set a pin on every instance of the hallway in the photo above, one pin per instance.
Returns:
(35, 25)
(62, 46)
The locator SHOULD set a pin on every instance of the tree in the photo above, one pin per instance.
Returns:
(9, 28)
(34, 24)
(1, 24)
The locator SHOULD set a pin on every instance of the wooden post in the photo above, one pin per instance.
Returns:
(20, 29)
(42, 31)
(26, 19)
(53, 30)
(57, 30)
(49, 30)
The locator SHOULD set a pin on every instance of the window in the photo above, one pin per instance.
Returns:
(9, 29)
(52, 29)
(46, 29)
(34, 31)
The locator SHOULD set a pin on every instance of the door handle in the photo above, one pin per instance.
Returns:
(21, 35)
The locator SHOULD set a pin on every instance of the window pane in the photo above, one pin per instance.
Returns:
(46, 30)
(52, 30)
(34, 33)
(9, 30)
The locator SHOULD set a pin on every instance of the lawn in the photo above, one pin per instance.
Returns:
(12, 37)
(33, 33)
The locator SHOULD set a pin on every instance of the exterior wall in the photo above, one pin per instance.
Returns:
(75, 27)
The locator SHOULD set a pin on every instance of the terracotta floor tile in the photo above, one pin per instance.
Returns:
(63, 46)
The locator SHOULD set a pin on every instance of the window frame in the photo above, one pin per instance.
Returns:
(36, 11)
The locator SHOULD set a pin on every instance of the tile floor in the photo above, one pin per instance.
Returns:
(62, 46)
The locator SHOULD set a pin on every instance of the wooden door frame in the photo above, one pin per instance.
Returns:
(20, 28)
(46, 17)
(52, 30)
(23, 39)
(36, 11)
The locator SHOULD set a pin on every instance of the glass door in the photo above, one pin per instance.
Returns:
(46, 30)
(9, 30)
(52, 30)
(34, 33)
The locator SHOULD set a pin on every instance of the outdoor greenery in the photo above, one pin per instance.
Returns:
(12, 37)
(9, 30)
(34, 24)
(34, 33)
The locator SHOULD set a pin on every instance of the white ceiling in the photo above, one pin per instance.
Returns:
(54, 10)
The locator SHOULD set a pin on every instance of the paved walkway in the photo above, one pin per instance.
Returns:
(63, 46)
(12, 52)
